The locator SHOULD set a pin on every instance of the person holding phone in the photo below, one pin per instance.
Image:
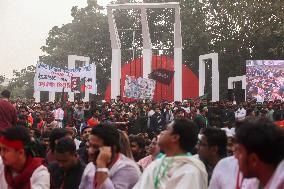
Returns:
(109, 169)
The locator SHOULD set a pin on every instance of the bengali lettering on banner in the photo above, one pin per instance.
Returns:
(53, 79)
(139, 88)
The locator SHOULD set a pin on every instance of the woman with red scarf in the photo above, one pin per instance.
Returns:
(21, 169)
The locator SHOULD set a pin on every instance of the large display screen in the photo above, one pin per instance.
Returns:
(265, 79)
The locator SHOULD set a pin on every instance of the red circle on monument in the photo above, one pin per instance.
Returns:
(162, 91)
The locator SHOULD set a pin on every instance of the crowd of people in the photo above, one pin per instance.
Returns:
(265, 82)
(195, 144)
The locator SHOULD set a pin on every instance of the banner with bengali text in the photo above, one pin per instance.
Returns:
(53, 79)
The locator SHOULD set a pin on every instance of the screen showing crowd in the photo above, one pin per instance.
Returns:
(265, 79)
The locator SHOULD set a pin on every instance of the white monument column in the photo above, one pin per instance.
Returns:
(242, 78)
(147, 47)
(37, 96)
(116, 55)
(178, 57)
(215, 75)
(51, 96)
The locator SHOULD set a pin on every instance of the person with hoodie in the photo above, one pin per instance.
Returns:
(177, 168)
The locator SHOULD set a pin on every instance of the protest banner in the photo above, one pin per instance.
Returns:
(139, 88)
(53, 79)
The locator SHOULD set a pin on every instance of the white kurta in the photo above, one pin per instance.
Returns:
(225, 176)
(40, 178)
(183, 172)
(277, 179)
(59, 116)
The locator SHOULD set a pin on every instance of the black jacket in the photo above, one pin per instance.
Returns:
(70, 179)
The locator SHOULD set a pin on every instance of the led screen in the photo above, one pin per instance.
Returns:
(265, 79)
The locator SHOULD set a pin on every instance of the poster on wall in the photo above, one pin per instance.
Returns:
(265, 80)
(139, 88)
(53, 79)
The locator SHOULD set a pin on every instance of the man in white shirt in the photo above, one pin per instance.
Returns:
(177, 169)
(58, 115)
(240, 114)
(226, 175)
(260, 152)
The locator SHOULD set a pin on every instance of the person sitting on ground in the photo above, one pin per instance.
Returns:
(177, 169)
(137, 144)
(152, 151)
(260, 152)
(55, 135)
(21, 169)
(211, 148)
(110, 169)
(67, 171)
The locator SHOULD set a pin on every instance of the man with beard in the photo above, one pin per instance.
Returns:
(212, 147)
(109, 168)
(260, 152)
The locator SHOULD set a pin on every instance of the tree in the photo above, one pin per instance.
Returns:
(22, 83)
(237, 30)
(2, 79)
(87, 35)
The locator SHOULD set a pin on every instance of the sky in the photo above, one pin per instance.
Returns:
(24, 27)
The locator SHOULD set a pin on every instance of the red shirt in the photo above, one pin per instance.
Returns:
(8, 115)
(93, 122)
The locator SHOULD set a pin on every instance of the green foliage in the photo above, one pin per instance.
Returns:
(2, 79)
(22, 83)
(87, 35)
(237, 30)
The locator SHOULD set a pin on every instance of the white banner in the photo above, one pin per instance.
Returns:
(52, 79)
(139, 88)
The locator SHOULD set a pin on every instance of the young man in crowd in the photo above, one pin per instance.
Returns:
(240, 113)
(110, 169)
(59, 115)
(138, 145)
(21, 169)
(260, 152)
(152, 151)
(8, 115)
(177, 169)
(55, 135)
(23, 114)
(156, 122)
(201, 120)
(212, 147)
(67, 171)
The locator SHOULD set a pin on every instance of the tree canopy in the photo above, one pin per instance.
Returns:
(237, 30)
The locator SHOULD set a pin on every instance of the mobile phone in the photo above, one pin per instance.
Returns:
(97, 153)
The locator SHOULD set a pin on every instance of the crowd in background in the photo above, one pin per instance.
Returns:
(265, 83)
(195, 143)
